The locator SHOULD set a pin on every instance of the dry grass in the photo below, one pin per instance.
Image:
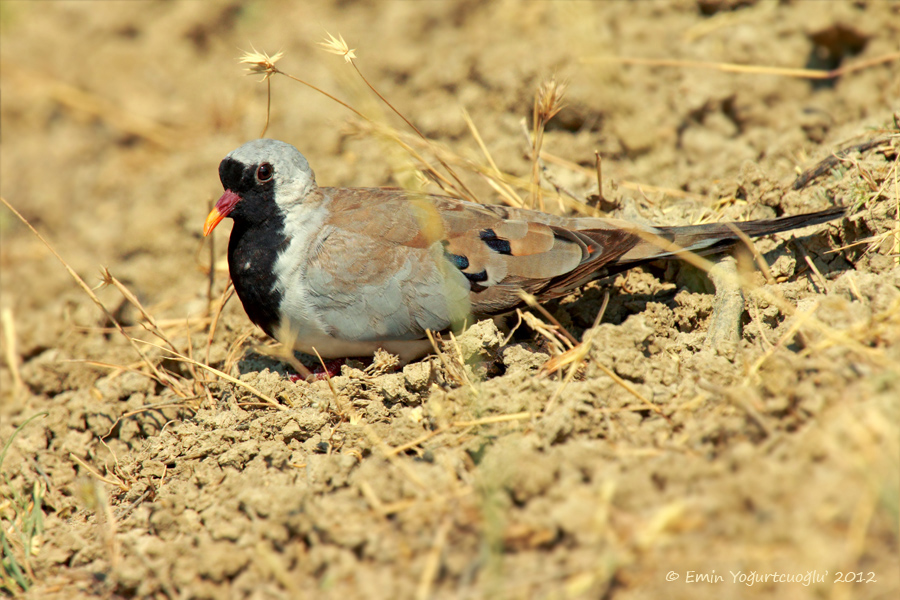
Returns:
(547, 103)
(750, 69)
(156, 372)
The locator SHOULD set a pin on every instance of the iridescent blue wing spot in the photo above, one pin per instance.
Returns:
(460, 262)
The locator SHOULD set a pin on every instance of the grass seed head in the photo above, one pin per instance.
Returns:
(337, 45)
(549, 100)
(260, 62)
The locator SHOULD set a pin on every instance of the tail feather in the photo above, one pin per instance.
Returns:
(715, 237)
(693, 234)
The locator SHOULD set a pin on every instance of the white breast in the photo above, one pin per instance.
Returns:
(304, 224)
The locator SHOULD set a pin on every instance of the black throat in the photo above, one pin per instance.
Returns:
(252, 252)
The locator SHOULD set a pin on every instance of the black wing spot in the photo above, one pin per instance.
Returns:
(477, 277)
(499, 245)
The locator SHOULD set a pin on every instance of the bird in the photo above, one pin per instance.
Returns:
(346, 271)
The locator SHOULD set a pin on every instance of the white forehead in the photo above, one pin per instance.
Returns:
(294, 178)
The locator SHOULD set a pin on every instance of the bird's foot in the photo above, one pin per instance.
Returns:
(328, 369)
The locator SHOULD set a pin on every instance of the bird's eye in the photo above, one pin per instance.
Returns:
(264, 172)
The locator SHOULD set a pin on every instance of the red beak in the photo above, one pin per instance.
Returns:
(221, 210)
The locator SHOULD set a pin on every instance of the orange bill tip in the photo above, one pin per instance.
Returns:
(214, 218)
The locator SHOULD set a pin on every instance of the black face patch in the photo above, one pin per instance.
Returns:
(231, 174)
(499, 245)
(241, 178)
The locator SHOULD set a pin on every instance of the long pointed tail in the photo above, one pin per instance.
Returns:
(714, 237)
(698, 238)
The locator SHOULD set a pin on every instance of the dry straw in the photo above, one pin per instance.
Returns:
(748, 69)
(158, 374)
(179, 386)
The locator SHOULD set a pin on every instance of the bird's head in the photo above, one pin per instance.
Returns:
(261, 178)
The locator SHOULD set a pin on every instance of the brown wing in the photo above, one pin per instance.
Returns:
(499, 250)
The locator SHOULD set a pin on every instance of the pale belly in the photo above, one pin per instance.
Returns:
(329, 347)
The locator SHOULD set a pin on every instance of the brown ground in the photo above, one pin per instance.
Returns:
(779, 455)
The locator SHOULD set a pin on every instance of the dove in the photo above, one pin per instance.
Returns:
(346, 271)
